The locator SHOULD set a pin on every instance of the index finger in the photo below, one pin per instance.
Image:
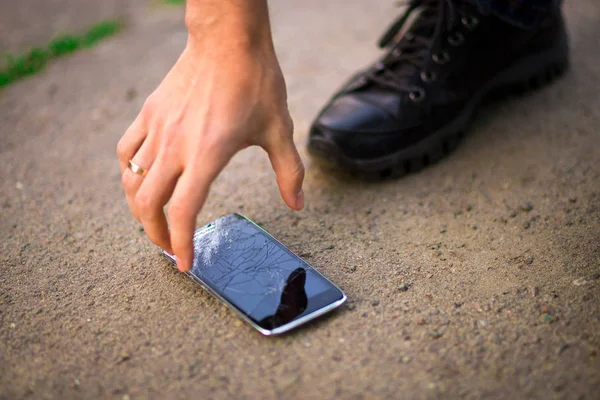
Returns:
(188, 198)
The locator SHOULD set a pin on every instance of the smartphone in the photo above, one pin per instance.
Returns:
(269, 286)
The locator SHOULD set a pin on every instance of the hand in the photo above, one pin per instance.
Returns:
(211, 104)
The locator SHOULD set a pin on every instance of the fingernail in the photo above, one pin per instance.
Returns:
(300, 199)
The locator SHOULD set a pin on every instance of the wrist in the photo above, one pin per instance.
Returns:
(229, 26)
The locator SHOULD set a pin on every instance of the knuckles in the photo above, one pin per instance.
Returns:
(299, 169)
(178, 211)
(144, 203)
(122, 150)
(148, 107)
(171, 135)
(128, 181)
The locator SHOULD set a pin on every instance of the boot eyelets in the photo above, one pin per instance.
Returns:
(457, 39)
(469, 22)
(417, 95)
(441, 58)
(428, 76)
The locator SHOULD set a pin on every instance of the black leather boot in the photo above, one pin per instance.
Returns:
(443, 58)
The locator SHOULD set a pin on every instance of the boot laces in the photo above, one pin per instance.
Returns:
(417, 46)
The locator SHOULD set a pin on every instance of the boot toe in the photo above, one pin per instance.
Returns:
(346, 125)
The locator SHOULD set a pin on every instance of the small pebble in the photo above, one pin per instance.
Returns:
(527, 206)
(513, 214)
(580, 281)
(406, 359)
(19, 186)
(529, 260)
(350, 306)
(562, 348)
(533, 291)
(403, 287)
(526, 225)
(375, 303)
(545, 310)
(435, 334)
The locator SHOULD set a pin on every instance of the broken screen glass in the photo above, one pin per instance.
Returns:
(255, 273)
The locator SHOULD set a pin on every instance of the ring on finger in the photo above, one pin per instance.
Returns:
(136, 169)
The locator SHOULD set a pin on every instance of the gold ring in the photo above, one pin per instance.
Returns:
(136, 169)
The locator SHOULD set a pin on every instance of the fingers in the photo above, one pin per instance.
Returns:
(131, 142)
(187, 200)
(289, 169)
(132, 181)
(151, 197)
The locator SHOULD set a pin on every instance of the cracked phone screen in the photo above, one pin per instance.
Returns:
(255, 273)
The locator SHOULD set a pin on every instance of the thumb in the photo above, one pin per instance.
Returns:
(289, 169)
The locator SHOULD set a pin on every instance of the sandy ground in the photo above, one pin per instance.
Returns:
(498, 245)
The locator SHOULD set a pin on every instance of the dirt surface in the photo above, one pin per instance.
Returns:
(478, 277)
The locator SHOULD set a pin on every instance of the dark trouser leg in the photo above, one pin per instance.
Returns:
(524, 13)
